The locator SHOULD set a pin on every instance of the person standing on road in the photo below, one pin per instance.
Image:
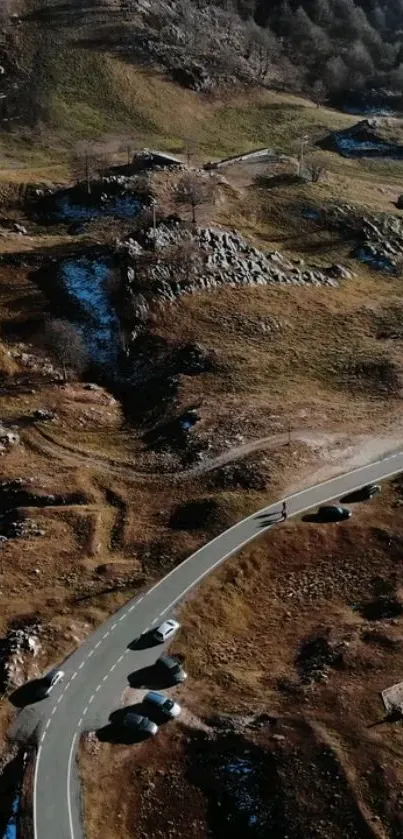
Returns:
(284, 510)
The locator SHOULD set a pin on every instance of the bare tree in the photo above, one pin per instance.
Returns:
(314, 173)
(359, 60)
(65, 342)
(335, 74)
(4, 9)
(319, 92)
(192, 191)
(82, 166)
(261, 49)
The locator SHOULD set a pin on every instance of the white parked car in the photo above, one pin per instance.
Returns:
(51, 680)
(166, 630)
(163, 704)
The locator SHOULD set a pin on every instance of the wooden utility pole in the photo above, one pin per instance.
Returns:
(303, 143)
(87, 174)
(154, 211)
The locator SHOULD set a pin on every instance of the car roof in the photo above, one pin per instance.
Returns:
(169, 661)
(155, 696)
(168, 624)
(134, 718)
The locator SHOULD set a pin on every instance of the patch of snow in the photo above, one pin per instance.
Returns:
(85, 281)
(119, 206)
(375, 260)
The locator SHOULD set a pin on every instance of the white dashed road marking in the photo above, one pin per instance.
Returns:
(68, 785)
(81, 666)
(91, 699)
(98, 644)
(85, 710)
(34, 792)
(104, 678)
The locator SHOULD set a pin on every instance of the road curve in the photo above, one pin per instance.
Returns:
(97, 672)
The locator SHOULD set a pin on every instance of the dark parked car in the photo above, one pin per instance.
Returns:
(363, 494)
(137, 722)
(333, 513)
(171, 669)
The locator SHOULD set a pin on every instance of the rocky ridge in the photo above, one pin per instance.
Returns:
(379, 237)
(206, 259)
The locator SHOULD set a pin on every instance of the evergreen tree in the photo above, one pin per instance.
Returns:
(335, 75)
(321, 13)
(359, 60)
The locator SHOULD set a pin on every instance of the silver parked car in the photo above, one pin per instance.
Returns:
(163, 704)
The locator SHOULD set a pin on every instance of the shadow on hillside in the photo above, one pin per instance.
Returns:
(273, 181)
(27, 694)
(71, 14)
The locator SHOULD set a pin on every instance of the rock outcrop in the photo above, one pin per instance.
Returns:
(16, 647)
(377, 137)
(378, 237)
(186, 262)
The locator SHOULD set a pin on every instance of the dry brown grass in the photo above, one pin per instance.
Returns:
(263, 381)
(299, 374)
(242, 634)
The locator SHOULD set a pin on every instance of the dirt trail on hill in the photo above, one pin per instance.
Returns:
(338, 451)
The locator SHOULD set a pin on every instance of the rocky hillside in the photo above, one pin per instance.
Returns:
(65, 64)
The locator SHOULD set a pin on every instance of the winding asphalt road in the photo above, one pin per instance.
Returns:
(97, 672)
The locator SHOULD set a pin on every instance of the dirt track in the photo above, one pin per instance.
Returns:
(339, 450)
